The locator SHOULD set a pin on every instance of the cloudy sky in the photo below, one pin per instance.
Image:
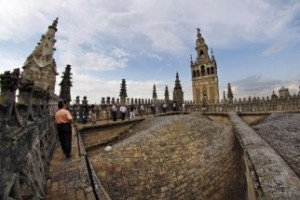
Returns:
(256, 43)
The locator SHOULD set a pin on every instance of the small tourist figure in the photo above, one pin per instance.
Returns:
(142, 110)
(132, 114)
(63, 120)
(114, 112)
(123, 112)
(153, 109)
(164, 107)
(174, 106)
(93, 114)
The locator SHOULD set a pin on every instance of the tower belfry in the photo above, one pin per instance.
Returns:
(204, 74)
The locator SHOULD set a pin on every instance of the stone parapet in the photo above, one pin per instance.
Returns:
(25, 159)
(271, 176)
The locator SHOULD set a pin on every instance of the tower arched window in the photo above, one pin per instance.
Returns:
(201, 54)
(202, 70)
(208, 71)
(212, 70)
(198, 73)
(194, 73)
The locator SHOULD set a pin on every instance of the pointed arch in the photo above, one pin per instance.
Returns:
(202, 70)
(208, 71)
(212, 70)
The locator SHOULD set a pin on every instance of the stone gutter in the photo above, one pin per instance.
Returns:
(99, 191)
(276, 180)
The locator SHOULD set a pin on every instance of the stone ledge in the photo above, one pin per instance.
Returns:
(276, 178)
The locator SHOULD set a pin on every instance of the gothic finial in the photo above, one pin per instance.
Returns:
(198, 31)
(191, 59)
(55, 22)
(212, 54)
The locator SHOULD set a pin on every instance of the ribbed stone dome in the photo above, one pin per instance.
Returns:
(173, 157)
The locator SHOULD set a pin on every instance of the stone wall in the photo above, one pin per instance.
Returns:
(27, 138)
(25, 159)
(267, 173)
(282, 132)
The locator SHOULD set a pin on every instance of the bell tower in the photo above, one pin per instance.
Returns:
(205, 82)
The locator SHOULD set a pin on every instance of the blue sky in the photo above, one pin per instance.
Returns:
(255, 42)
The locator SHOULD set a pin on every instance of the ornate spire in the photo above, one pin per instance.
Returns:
(154, 94)
(177, 82)
(65, 85)
(40, 65)
(54, 24)
(167, 98)
(123, 92)
(178, 93)
(198, 32)
(229, 93)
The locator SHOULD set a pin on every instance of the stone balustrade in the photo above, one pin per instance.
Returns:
(27, 138)
(81, 112)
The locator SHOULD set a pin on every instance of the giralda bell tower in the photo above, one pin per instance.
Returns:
(204, 74)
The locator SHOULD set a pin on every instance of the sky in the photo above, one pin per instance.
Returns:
(256, 43)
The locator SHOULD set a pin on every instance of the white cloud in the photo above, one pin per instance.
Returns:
(10, 62)
(95, 89)
(152, 55)
(275, 48)
(261, 86)
(105, 35)
(161, 22)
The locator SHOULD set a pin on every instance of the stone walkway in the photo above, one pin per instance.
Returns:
(68, 177)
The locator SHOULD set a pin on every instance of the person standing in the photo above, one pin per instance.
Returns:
(153, 108)
(64, 120)
(132, 114)
(93, 114)
(174, 107)
(142, 110)
(183, 107)
(164, 107)
(123, 112)
(114, 112)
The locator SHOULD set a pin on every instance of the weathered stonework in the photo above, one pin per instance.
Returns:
(25, 159)
(40, 66)
(27, 129)
(272, 177)
(174, 157)
(282, 132)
